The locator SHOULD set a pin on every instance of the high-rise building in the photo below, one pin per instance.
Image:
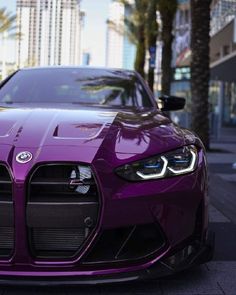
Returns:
(50, 32)
(120, 52)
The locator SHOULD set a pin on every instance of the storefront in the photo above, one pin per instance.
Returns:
(223, 90)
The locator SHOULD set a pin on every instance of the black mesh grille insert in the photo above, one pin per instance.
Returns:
(62, 209)
(5, 184)
(57, 239)
(6, 240)
(6, 213)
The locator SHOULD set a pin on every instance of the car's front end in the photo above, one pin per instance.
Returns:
(99, 195)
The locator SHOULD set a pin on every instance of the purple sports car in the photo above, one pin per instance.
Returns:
(96, 183)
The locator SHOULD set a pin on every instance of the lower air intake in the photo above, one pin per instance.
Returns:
(127, 243)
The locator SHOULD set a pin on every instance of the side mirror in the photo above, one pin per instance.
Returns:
(172, 103)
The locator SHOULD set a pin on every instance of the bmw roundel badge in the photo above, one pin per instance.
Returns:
(24, 157)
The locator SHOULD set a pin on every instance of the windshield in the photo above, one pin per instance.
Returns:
(79, 86)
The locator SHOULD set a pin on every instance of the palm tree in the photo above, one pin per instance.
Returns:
(167, 9)
(200, 74)
(7, 21)
(7, 31)
(135, 28)
(140, 29)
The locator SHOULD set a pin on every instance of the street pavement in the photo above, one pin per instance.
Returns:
(213, 278)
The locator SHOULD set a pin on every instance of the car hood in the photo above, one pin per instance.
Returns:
(68, 134)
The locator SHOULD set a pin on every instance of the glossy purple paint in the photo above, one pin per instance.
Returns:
(105, 139)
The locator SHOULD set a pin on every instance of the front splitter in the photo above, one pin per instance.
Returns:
(158, 270)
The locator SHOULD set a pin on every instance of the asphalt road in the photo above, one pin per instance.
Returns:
(213, 278)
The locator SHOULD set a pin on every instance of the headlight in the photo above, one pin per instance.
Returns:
(180, 161)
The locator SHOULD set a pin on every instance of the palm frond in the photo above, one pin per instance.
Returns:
(7, 21)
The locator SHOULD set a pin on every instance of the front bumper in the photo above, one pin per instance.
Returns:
(157, 270)
(170, 203)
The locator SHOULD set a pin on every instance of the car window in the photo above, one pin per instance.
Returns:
(75, 86)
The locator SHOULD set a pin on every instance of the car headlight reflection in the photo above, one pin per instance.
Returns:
(181, 161)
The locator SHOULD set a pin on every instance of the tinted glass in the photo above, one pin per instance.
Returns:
(82, 86)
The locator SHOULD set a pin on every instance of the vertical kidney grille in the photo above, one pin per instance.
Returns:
(6, 213)
(62, 209)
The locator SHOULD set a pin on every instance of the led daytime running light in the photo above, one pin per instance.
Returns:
(157, 175)
(165, 167)
(189, 169)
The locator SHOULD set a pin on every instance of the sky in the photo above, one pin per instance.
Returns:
(94, 33)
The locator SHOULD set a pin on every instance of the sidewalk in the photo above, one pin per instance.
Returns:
(222, 175)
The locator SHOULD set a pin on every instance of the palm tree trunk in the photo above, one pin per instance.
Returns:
(167, 10)
(167, 39)
(151, 77)
(141, 52)
(200, 74)
(151, 34)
